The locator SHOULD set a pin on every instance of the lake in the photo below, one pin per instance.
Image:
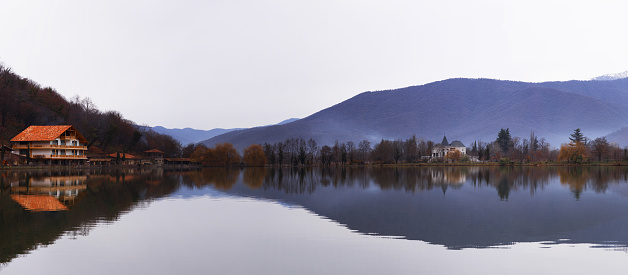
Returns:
(367, 220)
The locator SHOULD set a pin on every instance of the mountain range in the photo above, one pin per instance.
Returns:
(188, 135)
(462, 109)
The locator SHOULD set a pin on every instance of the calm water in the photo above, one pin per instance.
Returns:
(438, 220)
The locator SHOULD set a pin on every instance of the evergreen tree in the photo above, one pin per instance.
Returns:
(577, 136)
(504, 139)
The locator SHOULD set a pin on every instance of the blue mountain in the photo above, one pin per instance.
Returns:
(464, 109)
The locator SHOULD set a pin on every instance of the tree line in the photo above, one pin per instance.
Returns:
(504, 149)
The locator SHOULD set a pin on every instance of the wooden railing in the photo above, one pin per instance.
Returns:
(48, 146)
(68, 156)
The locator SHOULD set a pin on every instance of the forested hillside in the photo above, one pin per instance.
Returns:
(23, 102)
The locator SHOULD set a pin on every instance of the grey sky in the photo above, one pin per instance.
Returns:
(235, 63)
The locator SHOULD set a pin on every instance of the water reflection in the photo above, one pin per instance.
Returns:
(69, 201)
(458, 207)
(49, 193)
(412, 179)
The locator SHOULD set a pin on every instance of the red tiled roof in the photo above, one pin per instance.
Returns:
(45, 133)
(153, 151)
(123, 155)
(39, 202)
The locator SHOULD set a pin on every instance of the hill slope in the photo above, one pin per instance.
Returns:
(620, 137)
(463, 109)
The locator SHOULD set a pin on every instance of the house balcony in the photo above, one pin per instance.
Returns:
(68, 156)
(46, 146)
(59, 156)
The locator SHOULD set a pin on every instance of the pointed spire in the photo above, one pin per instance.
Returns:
(444, 142)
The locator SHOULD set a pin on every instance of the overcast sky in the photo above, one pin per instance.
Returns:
(241, 63)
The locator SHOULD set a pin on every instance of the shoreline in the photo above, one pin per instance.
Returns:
(489, 164)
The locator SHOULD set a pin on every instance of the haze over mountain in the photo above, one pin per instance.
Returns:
(463, 109)
(188, 135)
(620, 137)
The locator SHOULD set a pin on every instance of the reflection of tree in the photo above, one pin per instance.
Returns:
(503, 189)
(412, 179)
(507, 179)
(292, 180)
(221, 177)
(254, 176)
(597, 179)
(105, 199)
(574, 177)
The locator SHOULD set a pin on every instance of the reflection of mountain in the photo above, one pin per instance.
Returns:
(494, 205)
(529, 206)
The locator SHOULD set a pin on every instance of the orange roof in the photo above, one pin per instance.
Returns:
(153, 151)
(123, 155)
(45, 133)
(39, 202)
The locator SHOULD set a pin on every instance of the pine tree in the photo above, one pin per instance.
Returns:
(577, 136)
(504, 139)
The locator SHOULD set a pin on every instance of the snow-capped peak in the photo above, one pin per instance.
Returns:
(611, 76)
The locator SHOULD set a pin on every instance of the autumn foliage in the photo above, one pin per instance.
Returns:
(454, 155)
(223, 154)
(254, 156)
(574, 152)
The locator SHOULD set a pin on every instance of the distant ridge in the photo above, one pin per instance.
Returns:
(465, 109)
(188, 135)
(611, 76)
(620, 137)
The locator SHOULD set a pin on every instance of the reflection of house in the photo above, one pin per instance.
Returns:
(448, 176)
(48, 193)
(39, 202)
(60, 144)
(443, 148)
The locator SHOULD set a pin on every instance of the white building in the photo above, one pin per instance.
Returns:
(59, 144)
(442, 149)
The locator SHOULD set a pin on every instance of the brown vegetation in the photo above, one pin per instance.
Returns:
(254, 156)
(24, 103)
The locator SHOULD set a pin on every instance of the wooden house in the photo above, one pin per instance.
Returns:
(153, 157)
(58, 145)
